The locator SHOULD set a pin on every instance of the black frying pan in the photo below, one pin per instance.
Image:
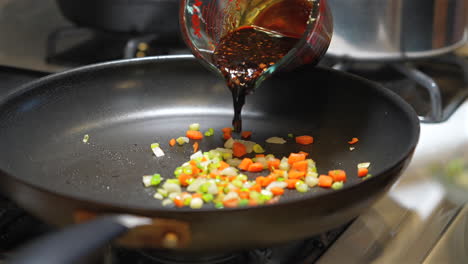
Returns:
(126, 105)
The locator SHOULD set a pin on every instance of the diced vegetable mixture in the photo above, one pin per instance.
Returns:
(219, 176)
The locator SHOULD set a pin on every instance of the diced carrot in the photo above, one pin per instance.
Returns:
(295, 174)
(304, 140)
(325, 181)
(255, 167)
(172, 142)
(223, 165)
(237, 190)
(354, 140)
(203, 159)
(213, 175)
(295, 157)
(239, 149)
(231, 178)
(252, 202)
(362, 172)
(195, 147)
(278, 173)
(197, 195)
(260, 180)
(183, 179)
(273, 200)
(300, 165)
(256, 187)
(193, 162)
(277, 190)
(337, 175)
(246, 134)
(244, 195)
(274, 163)
(260, 155)
(231, 203)
(227, 130)
(178, 202)
(245, 163)
(269, 179)
(195, 170)
(227, 136)
(192, 134)
(291, 183)
(305, 153)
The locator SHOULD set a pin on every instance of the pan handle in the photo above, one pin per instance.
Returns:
(74, 243)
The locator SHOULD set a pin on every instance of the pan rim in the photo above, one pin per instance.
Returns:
(118, 206)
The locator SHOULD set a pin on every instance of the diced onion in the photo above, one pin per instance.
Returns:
(234, 162)
(167, 202)
(195, 185)
(224, 150)
(230, 196)
(147, 180)
(229, 171)
(363, 165)
(196, 203)
(301, 186)
(171, 187)
(194, 127)
(276, 140)
(85, 138)
(280, 184)
(196, 155)
(158, 196)
(311, 181)
(337, 185)
(229, 143)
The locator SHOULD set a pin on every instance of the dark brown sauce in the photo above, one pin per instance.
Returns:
(243, 54)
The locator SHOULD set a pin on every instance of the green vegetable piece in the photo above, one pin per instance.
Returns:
(180, 141)
(366, 177)
(301, 187)
(163, 192)
(85, 138)
(194, 127)
(290, 135)
(243, 202)
(204, 187)
(176, 181)
(187, 201)
(207, 197)
(280, 179)
(219, 205)
(187, 170)
(178, 171)
(242, 177)
(337, 185)
(237, 183)
(207, 134)
(258, 149)
(227, 156)
(156, 180)
(154, 145)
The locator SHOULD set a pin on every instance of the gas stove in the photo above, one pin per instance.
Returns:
(413, 223)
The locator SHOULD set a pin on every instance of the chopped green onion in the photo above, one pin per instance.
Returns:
(243, 202)
(85, 138)
(208, 197)
(337, 185)
(196, 203)
(194, 127)
(258, 149)
(301, 186)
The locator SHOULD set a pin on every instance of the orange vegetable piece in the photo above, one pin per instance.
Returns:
(195, 147)
(227, 130)
(195, 170)
(227, 136)
(178, 202)
(269, 179)
(354, 140)
(223, 165)
(256, 187)
(277, 190)
(305, 153)
(255, 167)
(231, 203)
(300, 165)
(304, 140)
(337, 175)
(244, 195)
(172, 142)
(183, 179)
(274, 164)
(246, 134)
(260, 181)
(239, 149)
(291, 183)
(295, 157)
(194, 134)
(245, 163)
(252, 202)
(362, 172)
(197, 195)
(295, 174)
(260, 155)
(325, 181)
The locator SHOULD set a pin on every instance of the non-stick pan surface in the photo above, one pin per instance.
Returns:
(125, 106)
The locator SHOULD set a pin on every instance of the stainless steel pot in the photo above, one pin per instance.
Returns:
(397, 29)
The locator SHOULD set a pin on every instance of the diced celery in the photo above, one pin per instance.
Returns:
(156, 179)
(208, 197)
(219, 205)
(258, 149)
(154, 145)
(301, 186)
(243, 202)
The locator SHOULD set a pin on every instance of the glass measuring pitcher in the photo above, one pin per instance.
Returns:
(205, 22)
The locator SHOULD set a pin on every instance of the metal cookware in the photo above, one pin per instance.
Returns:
(124, 106)
(397, 29)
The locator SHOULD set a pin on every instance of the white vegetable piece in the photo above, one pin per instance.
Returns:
(195, 185)
(158, 152)
(229, 171)
(224, 150)
(167, 202)
(171, 187)
(196, 203)
(147, 180)
(212, 189)
(234, 162)
(231, 195)
(276, 140)
(228, 144)
(311, 181)
(158, 196)
(364, 165)
(280, 184)
(196, 155)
